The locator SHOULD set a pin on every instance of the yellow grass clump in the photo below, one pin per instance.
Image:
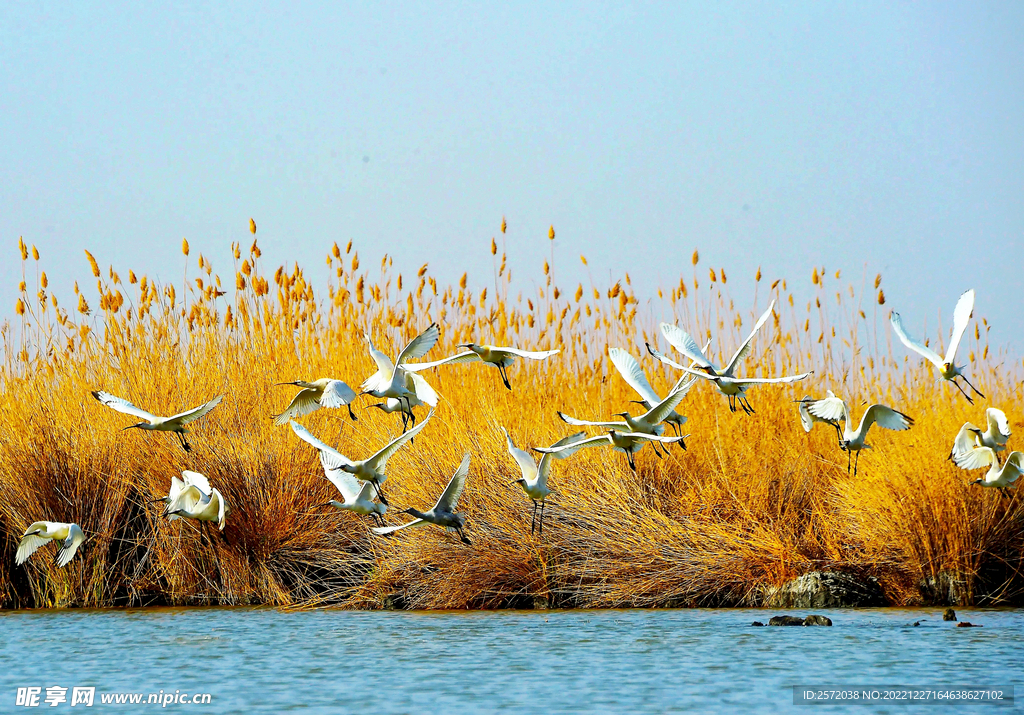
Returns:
(752, 503)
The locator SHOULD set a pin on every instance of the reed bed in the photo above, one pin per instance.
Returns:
(752, 503)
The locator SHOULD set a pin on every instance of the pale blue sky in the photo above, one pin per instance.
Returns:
(782, 135)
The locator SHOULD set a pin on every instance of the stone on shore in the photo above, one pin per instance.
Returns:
(825, 589)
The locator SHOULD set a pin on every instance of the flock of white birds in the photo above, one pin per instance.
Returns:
(402, 388)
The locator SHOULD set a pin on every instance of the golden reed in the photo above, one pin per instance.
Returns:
(752, 503)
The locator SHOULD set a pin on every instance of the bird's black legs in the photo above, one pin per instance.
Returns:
(504, 376)
(380, 494)
(184, 443)
(849, 461)
(462, 536)
(632, 462)
(732, 403)
(855, 462)
(542, 517)
(745, 404)
(962, 390)
(657, 451)
(351, 414)
(973, 387)
(533, 518)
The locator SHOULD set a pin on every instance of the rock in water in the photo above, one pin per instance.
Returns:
(968, 624)
(757, 623)
(815, 620)
(786, 621)
(824, 589)
(949, 615)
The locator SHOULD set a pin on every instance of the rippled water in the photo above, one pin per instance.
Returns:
(641, 661)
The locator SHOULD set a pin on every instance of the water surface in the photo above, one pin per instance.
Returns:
(261, 660)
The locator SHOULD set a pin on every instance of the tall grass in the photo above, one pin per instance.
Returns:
(752, 503)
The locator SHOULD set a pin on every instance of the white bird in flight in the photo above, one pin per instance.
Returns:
(647, 423)
(833, 408)
(393, 381)
(633, 374)
(997, 477)
(192, 497)
(42, 532)
(995, 435)
(357, 496)
(443, 513)
(725, 377)
(501, 358)
(534, 479)
(175, 423)
(369, 470)
(946, 366)
(628, 442)
(808, 420)
(324, 392)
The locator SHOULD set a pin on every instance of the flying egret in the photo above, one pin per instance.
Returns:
(647, 423)
(153, 423)
(192, 497)
(324, 392)
(391, 405)
(393, 381)
(808, 420)
(833, 408)
(947, 368)
(628, 442)
(633, 374)
(535, 476)
(358, 496)
(41, 532)
(995, 435)
(998, 477)
(501, 358)
(724, 377)
(443, 513)
(369, 470)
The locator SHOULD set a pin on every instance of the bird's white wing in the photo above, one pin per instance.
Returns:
(344, 482)
(423, 390)
(29, 543)
(526, 463)
(385, 530)
(176, 486)
(222, 509)
(584, 423)
(744, 349)
(633, 374)
(573, 447)
(765, 380)
(961, 317)
(653, 437)
(337, 394)
(186, 501)
(663, 358)
(806, 418)
(67, 550)
(829, 408)
(196, 412)
(918, 347)
(450, 496)
(197, 480)
(570, 445)
(997, 421)
(122, 405)
(681, 341)
(383, 362)
(1016, 462)
(966, 439)
(976, 458)
(665, 407)
(529, 354)
(420, 345)
(303, 403)
(380, 460)
(885, 417)
(468, 356)
(304, 434)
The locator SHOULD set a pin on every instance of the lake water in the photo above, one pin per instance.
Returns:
(260, 660)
